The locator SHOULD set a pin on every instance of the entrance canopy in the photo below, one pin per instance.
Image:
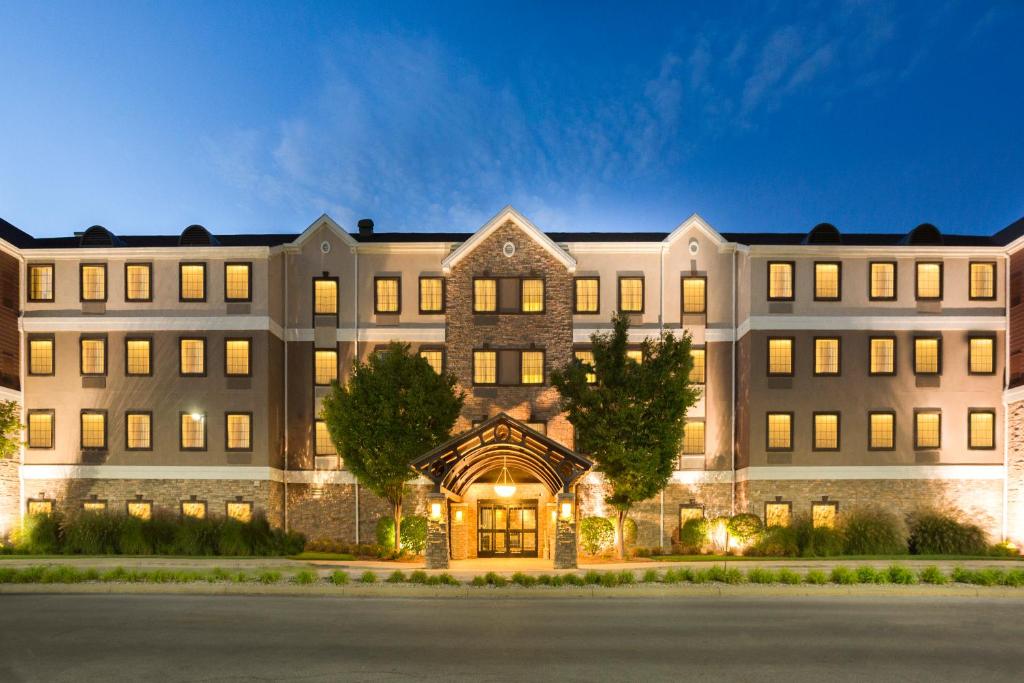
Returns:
(499, 441)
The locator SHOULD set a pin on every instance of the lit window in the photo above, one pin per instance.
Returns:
(587, 358)
(780, 281)
(94, 506)
(137, 282)
(434, 357)
(323, 444)
(694, 294)
(94, 429)
(883, 356)
(193, 431)
(193, 508)
(823, 515)
(40, 507)
(93, 356)
(40, 356)
(192, 281)
(826, 431)
(139, 427)
(689, 512)
(40, 429)
(138, 355)
(631, 294)
(431, 295)
(982, 355)
(193, 356)
(587, 295)
(780, 356)
(929, 280)
(635, 355)
(533, 295)
(236, 356)
(326, 366)
(882, 431)
(982, 425)
(485, 295)
(926, 355)
(240, 511)
(697, 372)
(927, 429)
(883, 281)
(386, 296)
(239, 431)
(693, 438)
(826, 356)
(777, 514)
(826, 281)
(983, 281)
(40, 282)
(94, 282)
(325, 296)
(780, 432)
(140, 509)
(485, 367)
(236, 281)
(532, 365)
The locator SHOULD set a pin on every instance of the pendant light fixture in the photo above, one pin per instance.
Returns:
(504, 487)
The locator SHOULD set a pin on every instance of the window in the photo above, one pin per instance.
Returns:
(981, 429)
(779, 432)
(193, 356)
(693, 437)
(586, 357)
(138, 282)
(532, 295)
(826, 356)
(588, 295)
(697, 372)
(193, 508)
(238, 431)
(435, 358)
(882, 431)
(325, 296)
(927, 355)
(929, 281)
(927, 429)
(695, 295)
(780, 356)
(39, 507)
(141, 509)
(94, 429)
(823, 515)
(40, 429)
(883, 356)
(193, 432)
(323, 445)
(981, 353)
(325, 363)
(983, 281)
(431, 295)
(237, 282)
(93, 505)
(93, 281)
(239, 510)
(635, 355)
(826, 431)
(532, 367)
(138, 357)
(485, 367)
(777, 513)
(138, 431)
(237, 353)
(93, 355)
(40, 282)
(882, 285)
(828, 281)
(192, 281)
(780, 281)
(387, 297)
(631, 294)
(485, 295)
(40, 355)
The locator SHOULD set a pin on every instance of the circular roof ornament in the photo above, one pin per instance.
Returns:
(694, 246)
(501, 433)
(325, 247)
(508, 249)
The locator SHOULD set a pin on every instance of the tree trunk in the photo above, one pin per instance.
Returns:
(620, 545)
(398, 525)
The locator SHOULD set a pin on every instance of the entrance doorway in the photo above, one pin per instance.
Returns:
(507, 529)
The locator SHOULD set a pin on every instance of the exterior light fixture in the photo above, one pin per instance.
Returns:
(504, 487)
(458, 515)
(435, 510)
(566, 510)
(196, 417)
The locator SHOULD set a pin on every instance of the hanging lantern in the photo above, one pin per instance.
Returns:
(504, 487)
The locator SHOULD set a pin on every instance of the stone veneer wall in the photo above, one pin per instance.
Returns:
(10, 494)
(328, 511)
(1015, 473)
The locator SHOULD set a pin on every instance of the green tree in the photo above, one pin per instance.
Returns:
(10, 428)
(630, 420)
(393, 409)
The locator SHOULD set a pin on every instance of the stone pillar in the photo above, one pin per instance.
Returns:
(565, 533)
(1015, 473)
(437, 532)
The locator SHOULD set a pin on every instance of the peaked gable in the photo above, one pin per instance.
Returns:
(508, 214)
(695, 222)
(327, 223)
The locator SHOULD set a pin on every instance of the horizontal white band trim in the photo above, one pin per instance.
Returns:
(212, 472)
(1013, 395)
(875, 322)
(112, 323)
(846, 472)
(174, 253)
(327, 477)
(701, 477)
(10, 395)
(376, 334)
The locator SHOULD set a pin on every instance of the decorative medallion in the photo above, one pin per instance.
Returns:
(501, 433)
(325, 247)
(694, 246)
(508, 249)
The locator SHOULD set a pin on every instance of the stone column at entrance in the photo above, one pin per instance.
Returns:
(437, 532)
(565, 532)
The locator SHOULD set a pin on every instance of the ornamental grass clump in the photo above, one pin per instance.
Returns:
(651, 576)
(1015, 578)
(610, 579)
(443, 579)
(544, 580)
(397, 576)
(872, 531)
(843, 575)
(524, 580)
(269, 576)
(626, 577)
(899, 574)
(305, 577)
(339, 578)
(932, 575)
(38, 535)
(592, 577)
(868, 574)
(761, 575)
(418, 576)
(816, 577)
(934, 533)
(572, 580)
(494, 579)
(367, 577)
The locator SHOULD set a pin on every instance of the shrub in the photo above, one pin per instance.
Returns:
(933, 533)
(196, 537)
(897, 573)
(446, 579)
(418, 576)
(610, 579)
(571, 579)
(651, 576)
(90, 533)
(776, 541)
(339, 578)
(39, 535)
(544, 580)
(933, 575)
(525, 580)
(597, 534)
(231, 539)
(626, 577)
(868, 574)
(718, 533)
(693, 535)
(1004, 549)
(816, 577)
(414, 534)
(761, 575)
(629, 530)
(159, 534)
(367, 577)
(817, 542)
(843, 575)
(961, 575)
(496, 580)
(1015, 578)
(131, 537)
(870, 531)
(478, 581)
(788, 576)
(305, 577)
(269, 576)
(397, 576)
(988, 577)
(678, 575)
(745, 527)
(592, 577)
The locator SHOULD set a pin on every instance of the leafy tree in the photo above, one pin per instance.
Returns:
(10, 426)
(393, 409)
(630, 421)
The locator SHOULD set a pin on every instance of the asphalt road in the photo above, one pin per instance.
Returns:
(232, 638)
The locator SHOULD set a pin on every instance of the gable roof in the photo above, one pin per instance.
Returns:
(329, 223)
(505, 215)
(695, 222)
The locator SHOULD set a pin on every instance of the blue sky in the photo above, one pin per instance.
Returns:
(146, 117)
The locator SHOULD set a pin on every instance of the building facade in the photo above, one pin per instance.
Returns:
(184, 374)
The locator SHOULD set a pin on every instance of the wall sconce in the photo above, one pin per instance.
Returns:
(458, 516)
(435, 511)
(566, 510)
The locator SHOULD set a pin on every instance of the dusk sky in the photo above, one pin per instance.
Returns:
(258, 117)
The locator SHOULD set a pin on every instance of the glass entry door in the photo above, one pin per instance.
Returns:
(507, 529)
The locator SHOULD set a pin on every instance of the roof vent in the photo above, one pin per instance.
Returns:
(365, 227)
(924, 234)
(197, 236)
(98, 236)
(823, 233)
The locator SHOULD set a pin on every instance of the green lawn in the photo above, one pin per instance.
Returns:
(741, 558)
(310, 555)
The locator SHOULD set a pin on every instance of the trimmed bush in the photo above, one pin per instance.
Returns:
(934, 533)
(869, 531)
(933, 575)
(843, 575)
(745, 527)
(868, 574)
(597, 534)
(897, 573)
(692, 536)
